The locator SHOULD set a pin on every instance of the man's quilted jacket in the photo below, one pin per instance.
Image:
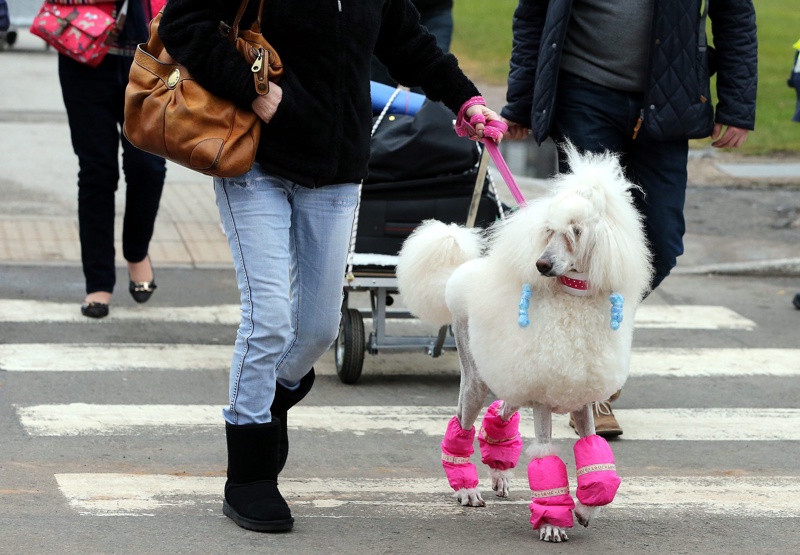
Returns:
(677, 101)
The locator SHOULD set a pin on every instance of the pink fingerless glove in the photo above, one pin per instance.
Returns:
(551, 502)
(464, 127)
(598, 481)
(500, 441)
(457, 447)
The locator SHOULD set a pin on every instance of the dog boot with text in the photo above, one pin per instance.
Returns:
(457, 448)
(598, 481)
(551, 502)
(500, 445)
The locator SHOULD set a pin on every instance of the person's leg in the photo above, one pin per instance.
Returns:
(289, 246)
(144, 178)
(144, 182)
(660, 168)
(274, 275)
(322, 221)
(91, 105)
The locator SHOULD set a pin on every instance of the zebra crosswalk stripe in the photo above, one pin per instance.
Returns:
(648, 316)
(715, 424)
(88, 357)
(141, 495)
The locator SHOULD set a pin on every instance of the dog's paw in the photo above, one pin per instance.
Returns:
(469, 497)
(500, 480)
(585, 514)
(553, 534)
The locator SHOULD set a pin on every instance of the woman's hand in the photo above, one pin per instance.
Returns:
(516, 131)
(484, 115)
(265, 106)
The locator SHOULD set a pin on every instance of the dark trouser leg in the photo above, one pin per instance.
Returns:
(90, 99)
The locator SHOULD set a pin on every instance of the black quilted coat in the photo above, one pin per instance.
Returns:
(677, 100)
(320, 134)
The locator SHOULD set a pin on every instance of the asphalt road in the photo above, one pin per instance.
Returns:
(105, 451)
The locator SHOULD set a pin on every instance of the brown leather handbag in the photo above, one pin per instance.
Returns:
(169, 114)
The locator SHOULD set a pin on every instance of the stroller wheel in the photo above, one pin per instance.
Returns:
(349, 351)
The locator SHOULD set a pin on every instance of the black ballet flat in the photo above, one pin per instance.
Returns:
(94, 310)
(141, 291)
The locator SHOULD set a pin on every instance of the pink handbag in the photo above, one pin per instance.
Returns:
(82, 32)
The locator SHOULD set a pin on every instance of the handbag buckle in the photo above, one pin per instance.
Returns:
(174, 78)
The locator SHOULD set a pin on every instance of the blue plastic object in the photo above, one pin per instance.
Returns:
(404, 103)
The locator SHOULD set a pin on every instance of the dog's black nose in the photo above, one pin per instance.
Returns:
(544, 266)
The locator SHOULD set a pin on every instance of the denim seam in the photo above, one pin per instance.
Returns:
(293, 239)
(246, 348)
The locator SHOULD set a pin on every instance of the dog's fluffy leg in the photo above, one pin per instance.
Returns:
(585, 514)
(500, 444)
(457, 446)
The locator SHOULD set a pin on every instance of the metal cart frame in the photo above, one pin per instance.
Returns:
(353, 343)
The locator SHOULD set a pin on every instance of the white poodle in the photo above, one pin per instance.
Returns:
(542, 311)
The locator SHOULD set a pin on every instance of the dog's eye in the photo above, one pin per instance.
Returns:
(576, 231)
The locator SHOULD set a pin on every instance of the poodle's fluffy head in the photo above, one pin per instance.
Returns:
(587, 224)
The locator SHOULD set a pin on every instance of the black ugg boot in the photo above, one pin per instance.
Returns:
(252, 499)
(284, 400)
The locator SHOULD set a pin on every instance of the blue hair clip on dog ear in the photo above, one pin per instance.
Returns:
(524, 304)
(616, 310)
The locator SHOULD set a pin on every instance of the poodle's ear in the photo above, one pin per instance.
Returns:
(620, 258)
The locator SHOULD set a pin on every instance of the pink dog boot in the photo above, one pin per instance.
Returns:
(457, 448)
(500, 441)
(598, 481)
(551, 502)
(501, 446)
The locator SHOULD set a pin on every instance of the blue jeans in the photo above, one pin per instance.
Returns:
(289, 246)
(596, 118)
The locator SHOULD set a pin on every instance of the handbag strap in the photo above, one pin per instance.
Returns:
(256, 27)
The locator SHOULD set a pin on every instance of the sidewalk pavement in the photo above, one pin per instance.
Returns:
(38, 222)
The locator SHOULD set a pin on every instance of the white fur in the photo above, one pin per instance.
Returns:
(436, 260)
(568, 356)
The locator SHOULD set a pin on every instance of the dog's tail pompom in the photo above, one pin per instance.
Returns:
(427, 260)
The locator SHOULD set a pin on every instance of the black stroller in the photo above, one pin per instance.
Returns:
(419, 169)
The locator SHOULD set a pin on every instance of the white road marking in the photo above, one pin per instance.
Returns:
(44, 311)
(717, 424)
(648, 316)
(85, 357)
(78, 357)
(694, 363)
(141, 495)
(690, 317)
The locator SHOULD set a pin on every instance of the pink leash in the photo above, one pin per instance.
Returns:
(492, 131)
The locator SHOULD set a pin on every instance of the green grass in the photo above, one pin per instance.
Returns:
(482, 43)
